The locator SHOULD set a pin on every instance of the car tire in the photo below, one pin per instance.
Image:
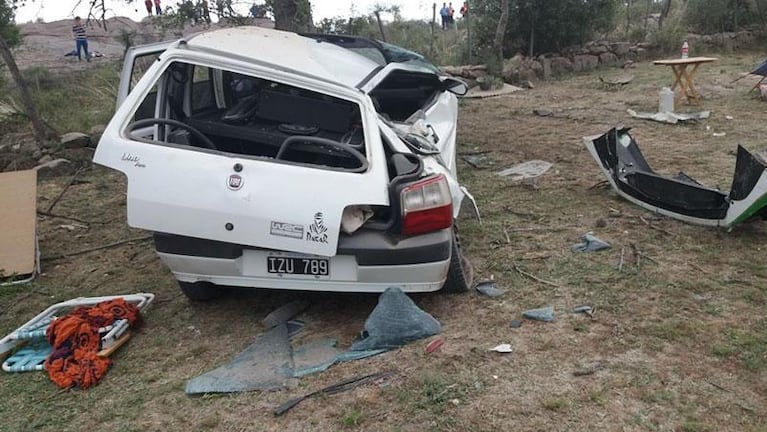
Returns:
(199, 291)
(460, 272)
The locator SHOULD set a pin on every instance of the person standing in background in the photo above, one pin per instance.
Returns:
(148, 4)
(443, 15)
(157, 8)
(81, 40)
(465, 9)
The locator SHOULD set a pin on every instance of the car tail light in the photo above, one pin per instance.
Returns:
(426, 206)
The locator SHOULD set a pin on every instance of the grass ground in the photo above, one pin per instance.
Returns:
(679, 340)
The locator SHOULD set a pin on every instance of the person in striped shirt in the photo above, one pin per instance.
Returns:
(81, 40)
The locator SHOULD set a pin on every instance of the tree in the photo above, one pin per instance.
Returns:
(9, 36)
(291, 15)
(665, 9)
(500, 31)
(552, 24)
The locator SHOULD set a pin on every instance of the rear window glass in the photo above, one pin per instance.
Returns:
(220, 110)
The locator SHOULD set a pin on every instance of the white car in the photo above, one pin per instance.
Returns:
(262, 158)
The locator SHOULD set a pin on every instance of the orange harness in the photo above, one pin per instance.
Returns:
(76, 341)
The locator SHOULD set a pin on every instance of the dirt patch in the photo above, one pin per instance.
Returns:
(680, 333)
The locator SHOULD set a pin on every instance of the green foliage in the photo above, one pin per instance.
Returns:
(92, 91)
(711, 16)
(293, 15)
(541, 28)
(8, 30)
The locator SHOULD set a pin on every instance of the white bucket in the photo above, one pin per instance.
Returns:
(666, 100)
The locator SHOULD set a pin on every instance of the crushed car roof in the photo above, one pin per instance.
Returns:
(288, 50)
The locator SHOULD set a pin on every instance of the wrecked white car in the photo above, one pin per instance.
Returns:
(262, 158)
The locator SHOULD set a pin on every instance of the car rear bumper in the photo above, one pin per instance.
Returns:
(368, 261)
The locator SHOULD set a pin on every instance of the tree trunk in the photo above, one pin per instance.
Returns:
(26, 98)
(628, 17)
(647, 15)
(761, 13)
(500, 31)
(468, 33)
(292, 15)
(380, 25)
(665, 9)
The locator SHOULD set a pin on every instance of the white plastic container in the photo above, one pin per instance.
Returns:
(666, 100)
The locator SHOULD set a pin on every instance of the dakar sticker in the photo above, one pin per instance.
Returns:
(317, 232)
(284, 229)
(235, 182)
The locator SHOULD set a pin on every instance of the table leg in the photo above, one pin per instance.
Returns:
(677, 75)
(679, 80)
(692, 95)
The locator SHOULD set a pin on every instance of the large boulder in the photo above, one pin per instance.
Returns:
(95, 133)
(598, 49)
(620, 48)
(608, 59)
(585, 63)
(519, 69)
(560, 66)
(75, 140)
(546, 64)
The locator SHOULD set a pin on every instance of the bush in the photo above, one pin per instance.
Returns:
(712, 16)
(542, 28)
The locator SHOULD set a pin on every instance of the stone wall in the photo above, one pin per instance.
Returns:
(605, 54)
(593, 55)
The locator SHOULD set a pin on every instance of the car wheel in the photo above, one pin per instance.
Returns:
(199, 291)
(460, 273)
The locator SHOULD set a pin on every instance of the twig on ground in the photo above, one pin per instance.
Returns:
(599, 184)
(649, 224)
(620, 265)
(63, 191)
(533, 277)
(508, 239)
(534, 229)
(97, 248)
(333, 389)
(719, 387)
(83, 221)
(53, 395)
(639, 254)
(474, 152)
(697, 267)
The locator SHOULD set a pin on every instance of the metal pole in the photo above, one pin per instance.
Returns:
(433, 23)
(468, 30)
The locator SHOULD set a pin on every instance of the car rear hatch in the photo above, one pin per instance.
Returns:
(233, 198)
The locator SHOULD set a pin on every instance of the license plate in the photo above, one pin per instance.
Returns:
(298, 266)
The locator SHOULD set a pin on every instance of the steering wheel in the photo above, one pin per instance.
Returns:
(207, 143)
(326, 142)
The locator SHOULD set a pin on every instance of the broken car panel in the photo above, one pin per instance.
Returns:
(681, 197)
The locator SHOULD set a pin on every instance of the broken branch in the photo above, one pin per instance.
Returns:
(54, 215)
(63, 191)
(649, 224)
(97, 248)
(533, 277)
(620, 265)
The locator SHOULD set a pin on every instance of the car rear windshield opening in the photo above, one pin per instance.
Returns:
(252, 116)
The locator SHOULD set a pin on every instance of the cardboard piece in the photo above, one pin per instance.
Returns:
(18, 217)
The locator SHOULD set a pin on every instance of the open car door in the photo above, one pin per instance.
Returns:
(137, 61)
